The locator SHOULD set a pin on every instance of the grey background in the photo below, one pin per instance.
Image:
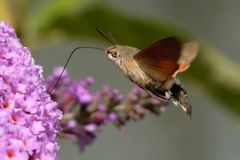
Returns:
(212, 134)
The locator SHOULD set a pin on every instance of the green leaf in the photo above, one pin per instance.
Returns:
(83, 22)
(218, 76)
(50, 11)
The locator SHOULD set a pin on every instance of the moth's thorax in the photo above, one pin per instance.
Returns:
(131, 70)
(127, 64)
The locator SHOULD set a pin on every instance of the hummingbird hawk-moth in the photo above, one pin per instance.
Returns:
(155, 68)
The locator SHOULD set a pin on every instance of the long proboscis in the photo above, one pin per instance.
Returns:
(68, 60)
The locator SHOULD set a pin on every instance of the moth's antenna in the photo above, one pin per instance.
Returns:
(65, 66)
(109, 37)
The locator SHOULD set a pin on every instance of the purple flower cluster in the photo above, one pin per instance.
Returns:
(85, 111)
(29, 119)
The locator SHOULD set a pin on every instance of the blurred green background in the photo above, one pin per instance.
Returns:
(52, 28)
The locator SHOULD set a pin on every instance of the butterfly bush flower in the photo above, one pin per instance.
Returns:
(85, 112)
(29, 119)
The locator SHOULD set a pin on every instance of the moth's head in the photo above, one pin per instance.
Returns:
(113, 53)
(119, 53)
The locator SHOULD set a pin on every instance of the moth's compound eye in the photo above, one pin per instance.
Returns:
(115, 54)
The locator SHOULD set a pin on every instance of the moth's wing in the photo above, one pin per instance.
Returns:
(189, 52)
(160, 60)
